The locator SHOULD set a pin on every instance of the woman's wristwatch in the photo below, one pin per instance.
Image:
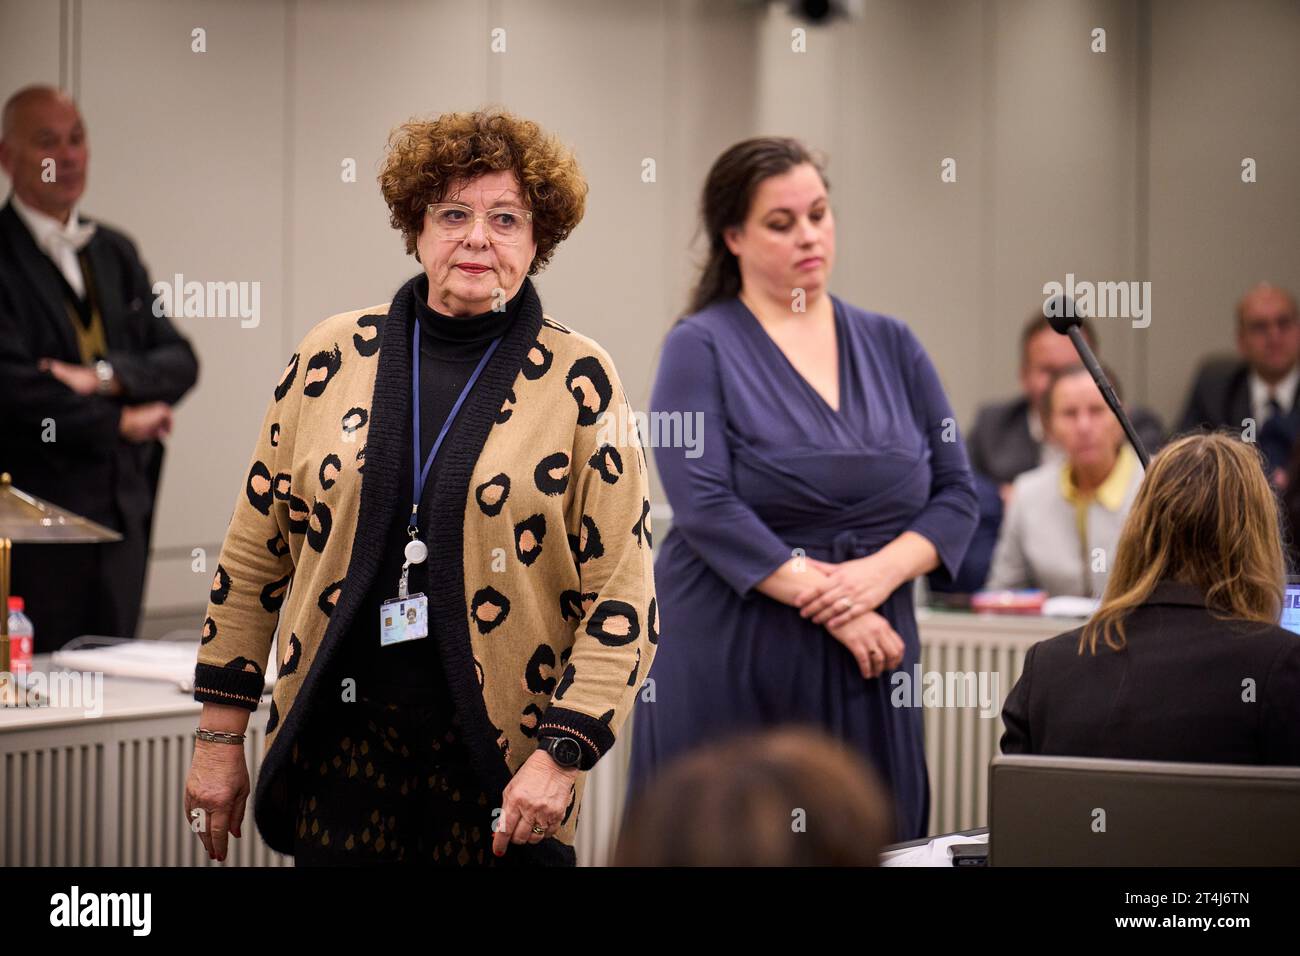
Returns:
(563, 750)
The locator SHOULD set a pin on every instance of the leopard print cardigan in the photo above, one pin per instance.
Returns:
(548, 620)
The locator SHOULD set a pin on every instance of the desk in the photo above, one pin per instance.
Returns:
(934, 852)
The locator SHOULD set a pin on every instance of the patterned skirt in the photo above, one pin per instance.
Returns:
(388, 780)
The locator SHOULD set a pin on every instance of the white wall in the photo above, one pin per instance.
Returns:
(1225, 85)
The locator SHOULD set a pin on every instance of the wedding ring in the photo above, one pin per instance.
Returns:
(537, 829)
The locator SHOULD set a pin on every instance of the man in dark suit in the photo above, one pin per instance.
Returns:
(1254, 393)
(88, 375)
(1007, 438)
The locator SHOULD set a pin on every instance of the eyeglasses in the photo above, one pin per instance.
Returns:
(505, 224)
(1283, 323)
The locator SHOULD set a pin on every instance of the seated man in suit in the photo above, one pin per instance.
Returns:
(1185, 659)
(1258, 387)
(88, 375)
(1007, 438)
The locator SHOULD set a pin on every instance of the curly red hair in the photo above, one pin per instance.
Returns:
(425, 156)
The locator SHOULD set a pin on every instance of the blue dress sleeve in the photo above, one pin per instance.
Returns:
(949, 519)
(722, 528)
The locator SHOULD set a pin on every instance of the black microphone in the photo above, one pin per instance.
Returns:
(1063, 315)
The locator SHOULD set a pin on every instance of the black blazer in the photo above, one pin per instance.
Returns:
(89, 468)
(1175, 693)
(1220, 397)
(1001, 446)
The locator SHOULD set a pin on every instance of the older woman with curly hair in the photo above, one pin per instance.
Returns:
(459, 564)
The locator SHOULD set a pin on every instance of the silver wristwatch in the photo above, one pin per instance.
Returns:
(104, 372)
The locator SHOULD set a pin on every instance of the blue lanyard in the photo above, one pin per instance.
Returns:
(420, 476)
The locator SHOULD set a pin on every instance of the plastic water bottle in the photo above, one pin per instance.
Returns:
(21, 636)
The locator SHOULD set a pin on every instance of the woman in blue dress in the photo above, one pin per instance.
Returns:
(829, 476)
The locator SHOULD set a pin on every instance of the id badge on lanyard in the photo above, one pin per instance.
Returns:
(406, 617)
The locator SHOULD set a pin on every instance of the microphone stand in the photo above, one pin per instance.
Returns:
(1107, 392)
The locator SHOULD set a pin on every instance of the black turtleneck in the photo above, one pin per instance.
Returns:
(450, 348)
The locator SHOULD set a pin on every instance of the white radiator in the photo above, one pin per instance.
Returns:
(959, 743)
(110, 794)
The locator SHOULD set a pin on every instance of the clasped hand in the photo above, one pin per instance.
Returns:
(844, 601)
(848, 590)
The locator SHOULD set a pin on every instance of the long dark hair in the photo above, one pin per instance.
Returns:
(728, 192)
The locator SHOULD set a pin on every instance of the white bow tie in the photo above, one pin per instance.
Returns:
(74, 238)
